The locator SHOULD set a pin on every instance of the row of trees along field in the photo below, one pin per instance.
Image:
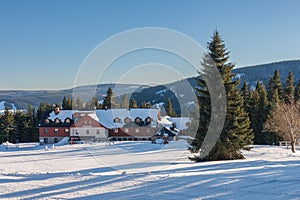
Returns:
(107, 102)
(19, 126)
(254, 115)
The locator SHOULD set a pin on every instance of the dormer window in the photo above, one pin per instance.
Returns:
(117, 120)
(57, 121)
(67, 120)
(47, 121)
(148, 120)
(138, 120)
(127, 120)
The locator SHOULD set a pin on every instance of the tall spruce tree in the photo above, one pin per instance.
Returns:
(200, 121)
(297, 91)
(245, 95)
(19, 127)
(260, 113)
(289, 89)
(7, 126)
(236, 132)
(30, 125)
(275, 84)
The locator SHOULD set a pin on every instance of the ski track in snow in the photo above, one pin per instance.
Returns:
(132, 170)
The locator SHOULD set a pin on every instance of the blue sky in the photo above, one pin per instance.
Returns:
(43, 43)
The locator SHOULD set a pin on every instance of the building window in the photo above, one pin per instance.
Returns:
(90, 122)
(87, 131)
(47, 121)
(55, 140)
(46, 130)
(148, 130)
(85, 122)
(137, 130)
(66, 130)
(98, 132)
(116, 130)
(46, 140)
(56, 130)
(67, 121)
(57, 121)
(126, 130)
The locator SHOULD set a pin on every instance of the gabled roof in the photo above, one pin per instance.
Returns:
(80, 122)
(106, 117)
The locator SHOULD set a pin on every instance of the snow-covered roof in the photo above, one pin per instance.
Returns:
(164, 121)
(180, 122)
(106, 117)
(62, 115)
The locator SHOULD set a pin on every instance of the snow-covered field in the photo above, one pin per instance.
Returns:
(140, 170)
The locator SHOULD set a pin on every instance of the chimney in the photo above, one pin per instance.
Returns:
(56, 110)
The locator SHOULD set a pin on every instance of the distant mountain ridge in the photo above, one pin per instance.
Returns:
(22, 98)
(263, 72)
(155, 94)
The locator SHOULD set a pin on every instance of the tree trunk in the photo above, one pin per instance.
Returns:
(293, 144)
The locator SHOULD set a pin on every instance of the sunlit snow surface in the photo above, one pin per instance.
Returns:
(141, 170)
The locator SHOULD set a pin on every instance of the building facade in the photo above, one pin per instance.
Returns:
(119, 124)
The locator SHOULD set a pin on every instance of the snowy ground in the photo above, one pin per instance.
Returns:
(132, 170)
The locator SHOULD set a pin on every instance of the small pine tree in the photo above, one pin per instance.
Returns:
(69, 103)
(78, 104)
(124, 103)
(289, 88)
(133, 103)
(108, 100)
(65, 103)
(144, 104)
(169, 108)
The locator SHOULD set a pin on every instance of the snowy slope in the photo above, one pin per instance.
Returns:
(2, 107)
(131, 170)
